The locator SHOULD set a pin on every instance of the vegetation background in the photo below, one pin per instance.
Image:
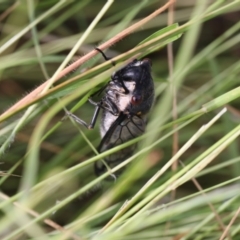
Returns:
(48, 187)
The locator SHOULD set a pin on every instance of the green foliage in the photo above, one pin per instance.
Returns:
(47, 170)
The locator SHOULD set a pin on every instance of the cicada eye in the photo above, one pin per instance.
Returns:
(136, 100)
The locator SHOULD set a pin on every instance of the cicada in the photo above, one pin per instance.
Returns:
(126, 101)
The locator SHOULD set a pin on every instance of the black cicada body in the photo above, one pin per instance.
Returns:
(127, 99)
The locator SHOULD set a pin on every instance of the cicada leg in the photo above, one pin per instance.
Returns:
(82, 122)
(109, 106)
(106, 104)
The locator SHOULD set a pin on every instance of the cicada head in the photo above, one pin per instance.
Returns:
(137, 87)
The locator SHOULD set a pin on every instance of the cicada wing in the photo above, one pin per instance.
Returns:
(122, 130)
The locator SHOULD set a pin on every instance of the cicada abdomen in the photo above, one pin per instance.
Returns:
(122, 130)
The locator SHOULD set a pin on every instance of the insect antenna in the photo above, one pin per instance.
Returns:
(105, 57)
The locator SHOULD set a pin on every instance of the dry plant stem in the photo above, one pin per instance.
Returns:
(174, 95)
(173, 89)
(31, 96)
(174, 102)
(198, 186)
(47, 221)
(226, 232)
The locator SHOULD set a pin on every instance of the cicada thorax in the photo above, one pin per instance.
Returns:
(128, 98)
